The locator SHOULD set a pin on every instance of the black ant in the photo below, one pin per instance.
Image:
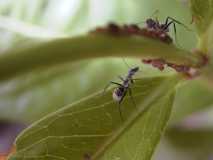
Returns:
(122, 88)
(161, 29)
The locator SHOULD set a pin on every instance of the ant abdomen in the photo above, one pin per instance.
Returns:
(118, 94)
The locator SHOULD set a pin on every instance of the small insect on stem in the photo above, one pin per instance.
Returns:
(155, 29)
(123, 88)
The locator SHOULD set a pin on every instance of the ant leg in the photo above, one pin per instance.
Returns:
(119, 109)
(121, 78)
(116, 83)
(110, 83)
(135, 79)
(167, 20)
(130, 94)
(119, 105)
(168, 24)
(175, 30)
(157, 23)
(174, 20)
(178, 22)
(174, 26)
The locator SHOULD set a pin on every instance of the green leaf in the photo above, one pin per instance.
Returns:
(140, 140)
(90, 46)
(186, 144)
(191, 138)
(93, 125)
(192, 96)
(202, 12)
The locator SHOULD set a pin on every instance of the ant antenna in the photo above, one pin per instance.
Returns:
(128, 66)
(140, 22)
(125, 62)
(152, 15)
(155, 13)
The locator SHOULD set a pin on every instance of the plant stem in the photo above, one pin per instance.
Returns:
(65, 50)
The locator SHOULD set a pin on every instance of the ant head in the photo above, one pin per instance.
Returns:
(113, 28)
(135, 69)
(150, 23)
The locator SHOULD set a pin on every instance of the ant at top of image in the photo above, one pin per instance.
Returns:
(153, 29)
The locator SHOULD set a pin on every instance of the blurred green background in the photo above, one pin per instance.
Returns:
(29, 97)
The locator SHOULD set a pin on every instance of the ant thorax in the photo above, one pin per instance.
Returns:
(164, 28)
